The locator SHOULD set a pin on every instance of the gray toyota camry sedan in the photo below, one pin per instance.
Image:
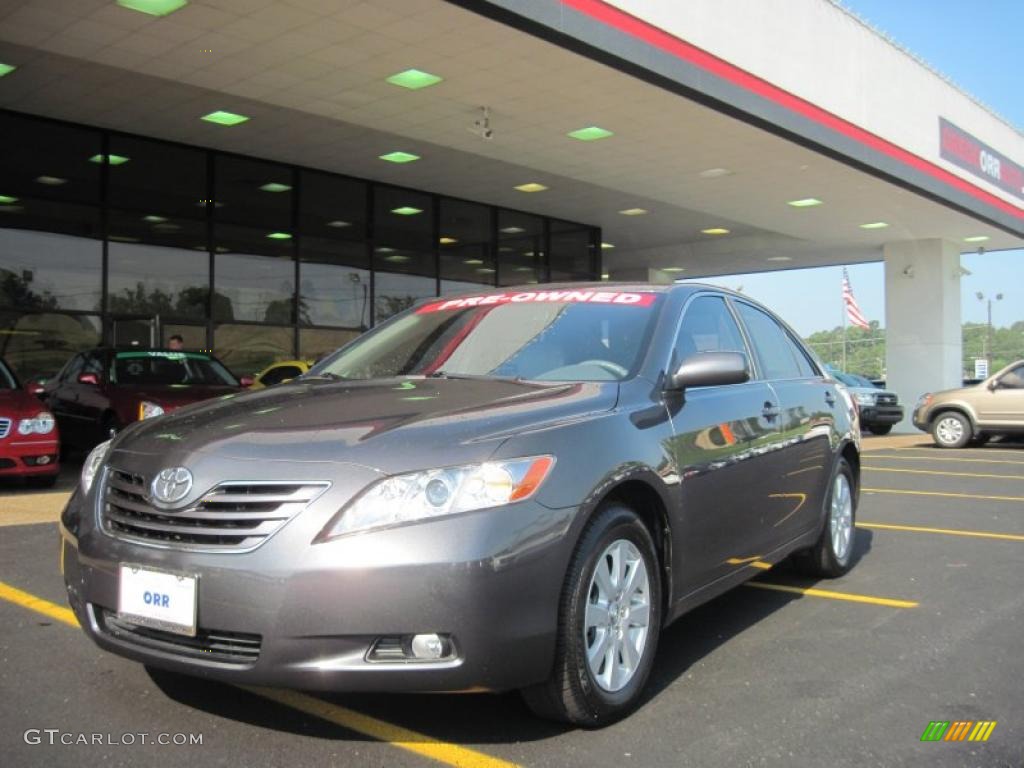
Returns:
(507, 490)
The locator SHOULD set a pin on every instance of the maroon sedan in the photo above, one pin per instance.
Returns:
(103, 390)
(29, 443)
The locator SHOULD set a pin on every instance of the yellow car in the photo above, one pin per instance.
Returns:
(284, 370)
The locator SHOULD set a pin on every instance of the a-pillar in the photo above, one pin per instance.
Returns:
(922, 318)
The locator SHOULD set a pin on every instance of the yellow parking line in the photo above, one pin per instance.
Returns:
(37, 604)
(940, 472)
(943, 458)
(940, 493)
(396, 736)
(827, 593)
(947, 531)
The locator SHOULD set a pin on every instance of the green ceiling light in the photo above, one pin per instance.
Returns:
(674, 269)
(154, 219)
(473, 262)
(339, 224)
(279, 236)
(806, 202)
(448, 240)
(531, 186)
(715, 231)
(605, 276)
(220, 117)
(512, 230)
(153, 7)
(109, 159)
(606, 246)
(874, 225)
(414, 79)
(273, 186)
(406, 210)
(51, 181)
(591, 133)
(6, 69)
(7, 199)
(633, 211)
(396, 258)
(399, 157)
(976, 239)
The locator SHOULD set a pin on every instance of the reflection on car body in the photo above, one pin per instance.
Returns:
(513, 490)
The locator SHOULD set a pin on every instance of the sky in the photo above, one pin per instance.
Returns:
(976, 45)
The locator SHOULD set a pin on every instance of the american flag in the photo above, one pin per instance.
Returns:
(852, 308)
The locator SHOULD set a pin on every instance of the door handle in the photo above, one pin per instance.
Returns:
(829, 397)
(770, 411)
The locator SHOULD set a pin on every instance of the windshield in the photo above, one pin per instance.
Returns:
(155, 368)
(7, 380)
(584, 335)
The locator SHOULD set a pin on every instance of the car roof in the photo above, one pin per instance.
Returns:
(592, 286)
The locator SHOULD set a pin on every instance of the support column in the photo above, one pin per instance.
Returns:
(922, 319)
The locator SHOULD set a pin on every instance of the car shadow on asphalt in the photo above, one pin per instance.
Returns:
(499, 718)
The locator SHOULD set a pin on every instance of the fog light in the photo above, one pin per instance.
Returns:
(427, 647)
(43, 460)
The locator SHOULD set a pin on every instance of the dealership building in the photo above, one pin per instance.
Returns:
(269, 178)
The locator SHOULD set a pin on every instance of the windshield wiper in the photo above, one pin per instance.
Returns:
(329, 375)
(470, 376)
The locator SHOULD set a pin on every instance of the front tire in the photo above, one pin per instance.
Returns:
(951, 430)
(608, 624)
(832, 555)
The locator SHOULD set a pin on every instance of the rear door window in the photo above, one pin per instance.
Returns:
(779, 356)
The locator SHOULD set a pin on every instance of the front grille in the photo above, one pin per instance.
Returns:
(208, 644)
(887, 399)
(5, 428)
(234, 516)
(7, 463)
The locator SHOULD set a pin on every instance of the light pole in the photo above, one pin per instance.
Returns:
(988, 332)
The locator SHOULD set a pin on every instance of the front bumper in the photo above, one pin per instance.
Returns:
(491, 580)
(30, 456)
(881, 414)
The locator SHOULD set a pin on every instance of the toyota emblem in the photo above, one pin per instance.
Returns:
(172, 485)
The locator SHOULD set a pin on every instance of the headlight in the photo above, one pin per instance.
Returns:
(92, 464)
(866, 398)
(148, 410)
(437, 492)
(924, 401)
(40, 424)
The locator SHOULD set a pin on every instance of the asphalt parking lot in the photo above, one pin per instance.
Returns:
(928, 626)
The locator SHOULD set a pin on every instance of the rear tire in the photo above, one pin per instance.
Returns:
(608, 625)
(832, 555)
(880, 429)
(951, 429)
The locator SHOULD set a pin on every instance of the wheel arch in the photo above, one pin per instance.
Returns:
(962, 408)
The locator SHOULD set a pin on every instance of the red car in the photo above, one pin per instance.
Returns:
(103, 390)
(29, 442)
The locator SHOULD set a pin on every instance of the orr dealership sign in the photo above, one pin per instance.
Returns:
(962, 149)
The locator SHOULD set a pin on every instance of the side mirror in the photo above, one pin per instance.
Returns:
(89, 378)
(710, 369)
(247, 381)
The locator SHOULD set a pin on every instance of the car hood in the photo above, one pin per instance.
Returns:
(16, 403)
(390, 425)
(173, 395)
(867, 390)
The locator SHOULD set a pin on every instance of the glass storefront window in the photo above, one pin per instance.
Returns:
(44, 160)
(38, 344)
(248, 349)
(157, 268)
(315, 343)
(160, 181)
(403, 250)
(254, 276)
(573, 252)
(334, 295)
(254, 193)
(47, 271)
(520, 248)
(464, 240)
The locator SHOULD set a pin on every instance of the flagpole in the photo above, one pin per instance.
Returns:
(843, 301)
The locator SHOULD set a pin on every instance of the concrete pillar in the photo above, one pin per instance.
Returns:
(922, 319)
